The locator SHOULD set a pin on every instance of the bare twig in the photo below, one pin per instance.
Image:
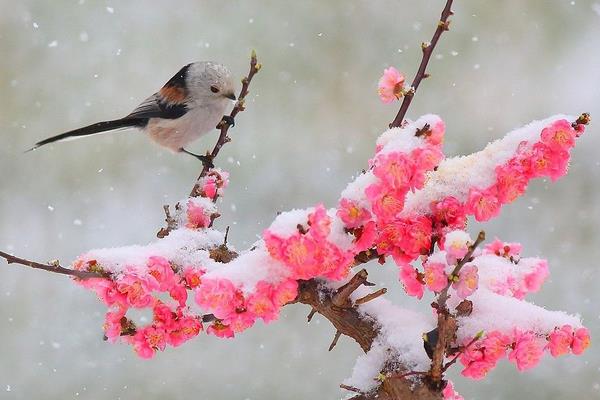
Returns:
(350, 388)
(335, 340)
(443, 25)
(171, 223)
(310, 315)
(371, 296)
(53, 267)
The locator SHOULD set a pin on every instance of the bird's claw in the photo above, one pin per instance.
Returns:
(207, 161)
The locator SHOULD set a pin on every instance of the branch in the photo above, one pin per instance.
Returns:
(226, 123)
(54, 267)
(446, 322)
(443, 25)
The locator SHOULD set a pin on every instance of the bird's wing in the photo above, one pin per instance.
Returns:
(155, 106)
(169, 102)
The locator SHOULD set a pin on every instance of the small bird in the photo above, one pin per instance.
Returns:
(188, 106)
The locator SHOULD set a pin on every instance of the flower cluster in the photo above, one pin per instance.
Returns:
(547, 157)
(308, 251)
(237, 311)
(524, 349)
(138, 287)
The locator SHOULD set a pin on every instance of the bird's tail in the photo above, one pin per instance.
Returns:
(93, 129)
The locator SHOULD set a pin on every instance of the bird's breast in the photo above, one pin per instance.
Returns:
(175, 134)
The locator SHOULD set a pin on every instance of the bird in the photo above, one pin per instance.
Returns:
(189, 105)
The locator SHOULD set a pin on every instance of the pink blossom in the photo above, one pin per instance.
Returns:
(510, 182)
(478, 369)
(193, 276)
(179, 294)
(410, 279)
(495, 345)
(185, 329)
(149, 339)
(436, 133)
(467, 283)
(219, 329)
(112, 325)
(449, 393)
(218, 296)
(405, 239)
(425, 159)
(448, 213)
(285, 292)
(560, 135)
(351, 214)
(310, 254)
(535, 279)
(391, 85)
(160, 268)
(136, 290)
(366, 237)
(260, 304)
(197, 216)
(239, 322)
(395, 169)
(456, 244)
(319, 222)
(503, 249)
(386, 204)
(581, 341)
(435, 276)
(559, 341)
(483, 204)
(163, 315)
(527, 351)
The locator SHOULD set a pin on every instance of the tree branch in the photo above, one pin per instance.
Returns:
(443, 25)
(446, 322)
(54, 267)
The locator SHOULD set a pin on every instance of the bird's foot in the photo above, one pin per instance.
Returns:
(227, 119)
(207, 160)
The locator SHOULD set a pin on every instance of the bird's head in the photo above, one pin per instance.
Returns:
(209, 80)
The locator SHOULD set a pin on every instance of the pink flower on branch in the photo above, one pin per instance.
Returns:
(391, 85)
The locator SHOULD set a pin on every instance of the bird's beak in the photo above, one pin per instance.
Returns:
(230, 96)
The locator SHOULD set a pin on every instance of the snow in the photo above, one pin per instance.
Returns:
(286, 223)
(455, 176)
(183, 247)
(250, 267)
(400, 334)
(492, 311)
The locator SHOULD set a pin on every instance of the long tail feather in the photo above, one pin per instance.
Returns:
(98, 127)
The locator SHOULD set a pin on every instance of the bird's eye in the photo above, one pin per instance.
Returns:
(214, 89)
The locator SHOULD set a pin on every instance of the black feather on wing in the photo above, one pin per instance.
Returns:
(154, 107)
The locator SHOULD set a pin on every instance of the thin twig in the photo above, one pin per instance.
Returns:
(449, 363)
(443, 25)
(335, 340)
(56, 268)
(311, 315)
(371, 296)
(224, 125)
(351, 388)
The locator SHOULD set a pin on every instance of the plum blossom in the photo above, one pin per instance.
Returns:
(467, 282)
(391, 85)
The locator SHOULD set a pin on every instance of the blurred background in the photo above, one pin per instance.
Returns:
(310, 125)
